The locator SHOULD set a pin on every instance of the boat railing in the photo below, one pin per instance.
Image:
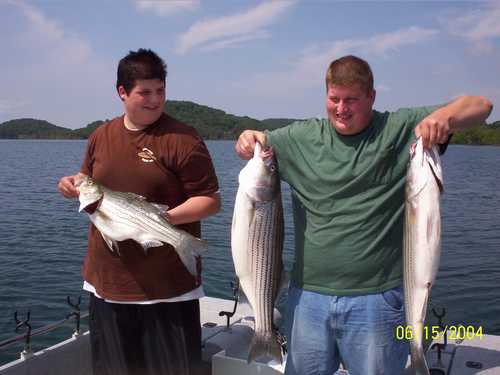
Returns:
(74, 315)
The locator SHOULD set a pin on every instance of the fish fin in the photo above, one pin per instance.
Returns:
(265, 345)
(112, 244)
(150, 243)
(418, 362)
(189, 249)
(426, 301)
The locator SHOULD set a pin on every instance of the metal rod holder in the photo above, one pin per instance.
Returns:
(235, 286)
(19, 325)
(439, 316)
(76, 313)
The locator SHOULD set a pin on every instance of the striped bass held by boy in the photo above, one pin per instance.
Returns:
(121, 216)
(257, 246)
(422, 242)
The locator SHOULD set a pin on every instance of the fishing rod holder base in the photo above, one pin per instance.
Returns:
(26, 354)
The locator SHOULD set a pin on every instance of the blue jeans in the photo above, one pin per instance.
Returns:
(324, 330)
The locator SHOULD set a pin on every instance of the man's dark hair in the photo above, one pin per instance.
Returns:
(142, 64)
(350, 70)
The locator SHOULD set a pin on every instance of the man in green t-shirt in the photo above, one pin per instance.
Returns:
(347, 175)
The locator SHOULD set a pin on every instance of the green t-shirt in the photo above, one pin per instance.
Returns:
(348, 200)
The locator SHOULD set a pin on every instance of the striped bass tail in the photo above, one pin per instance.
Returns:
(188, 250)
(265, 345)
(418, 363)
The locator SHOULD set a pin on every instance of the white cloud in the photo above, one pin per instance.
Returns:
(378, 45)
(234, 42)
(475, 26)
(236, 28)
(166, 7)
(38, 21)
(48, 36)
(310, 68)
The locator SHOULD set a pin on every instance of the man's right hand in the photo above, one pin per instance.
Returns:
(246, 143)
(67, 185)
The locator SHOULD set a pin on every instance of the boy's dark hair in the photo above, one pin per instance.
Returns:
(348, 71)
(143, 64)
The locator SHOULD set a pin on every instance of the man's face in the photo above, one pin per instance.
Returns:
(144, 104)
(349, 108)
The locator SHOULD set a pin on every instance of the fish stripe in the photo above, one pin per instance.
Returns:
(265, 244)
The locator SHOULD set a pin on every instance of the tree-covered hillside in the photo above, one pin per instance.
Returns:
(85, 132)
(211, 123)
(28, 128)
(482, 135)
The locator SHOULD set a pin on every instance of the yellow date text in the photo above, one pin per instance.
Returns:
(455, 332)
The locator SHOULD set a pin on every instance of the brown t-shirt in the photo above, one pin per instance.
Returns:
(120, 159)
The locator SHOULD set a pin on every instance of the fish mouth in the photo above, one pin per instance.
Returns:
(90, 205)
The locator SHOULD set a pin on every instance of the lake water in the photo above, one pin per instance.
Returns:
(43, 237)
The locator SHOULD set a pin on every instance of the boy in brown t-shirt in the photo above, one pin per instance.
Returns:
(144, 310)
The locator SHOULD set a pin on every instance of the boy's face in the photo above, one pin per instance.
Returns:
(144, 104)
(349, 108)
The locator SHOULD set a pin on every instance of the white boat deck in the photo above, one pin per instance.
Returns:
(466, 357)
(226, 350)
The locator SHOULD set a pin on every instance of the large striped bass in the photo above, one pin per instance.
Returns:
(257, 246)
(422, 243)
(121, 216)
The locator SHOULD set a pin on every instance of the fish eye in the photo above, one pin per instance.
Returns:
(273, 168)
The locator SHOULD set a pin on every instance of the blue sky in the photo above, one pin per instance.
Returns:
(261, 59)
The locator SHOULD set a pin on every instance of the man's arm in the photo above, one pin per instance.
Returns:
(194, 209)
(462, 113)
